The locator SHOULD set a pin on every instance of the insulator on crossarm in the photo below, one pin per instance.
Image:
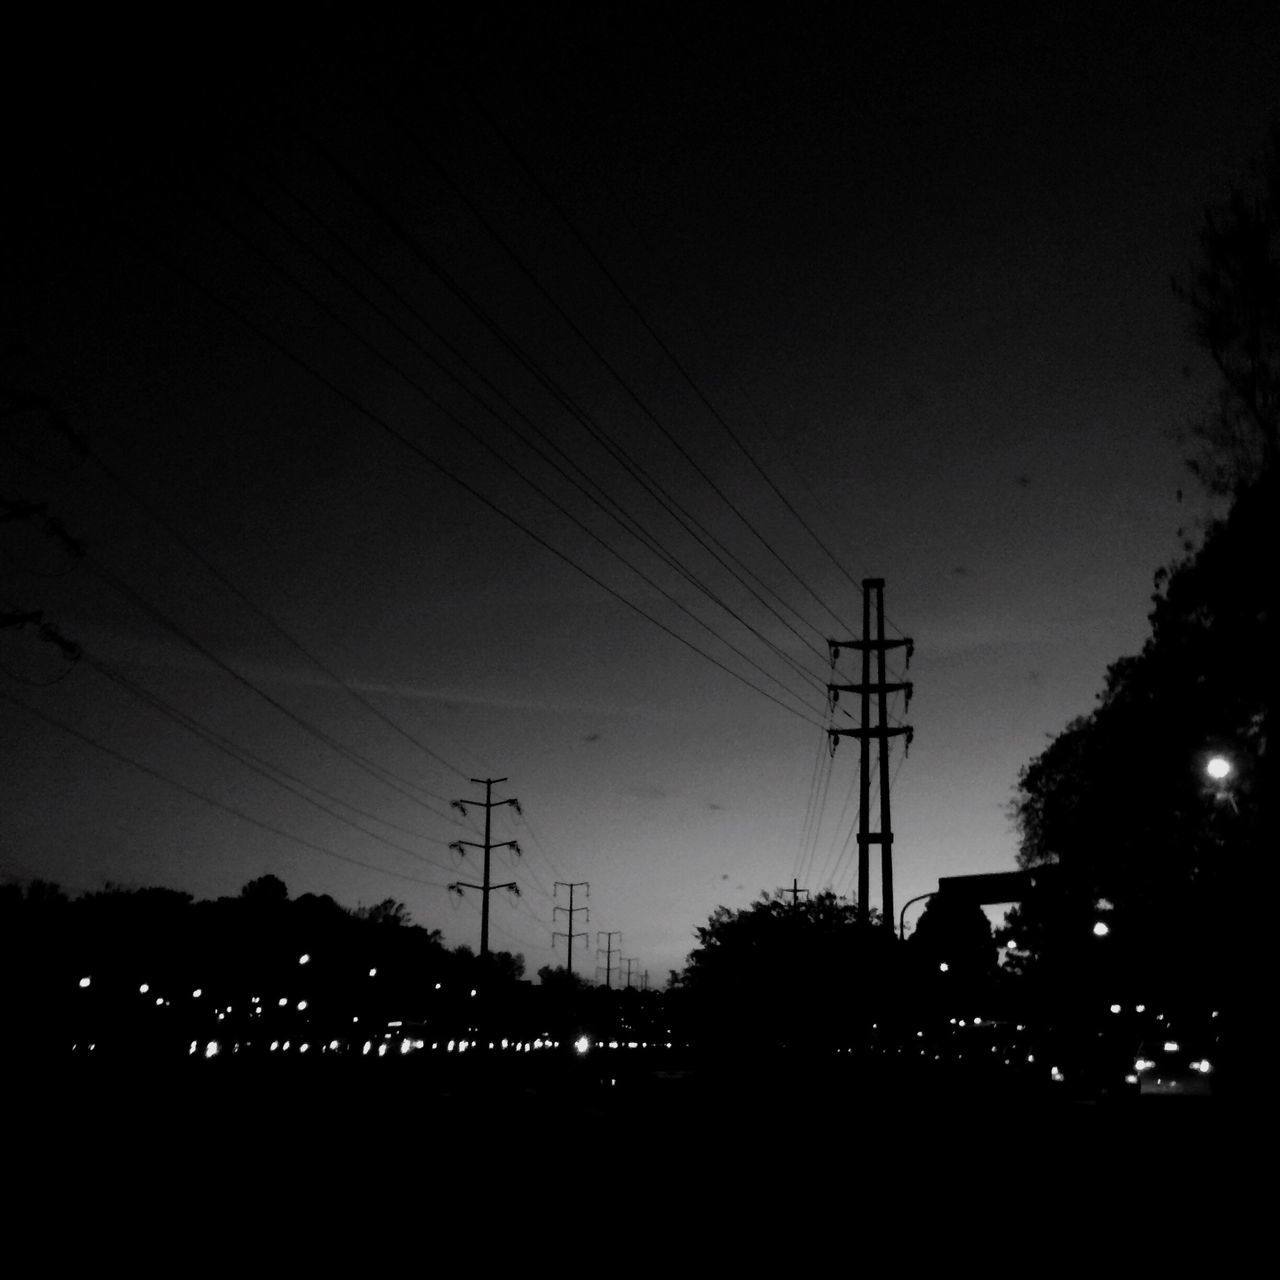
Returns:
(831, 743)
(835, 651)
(515, 804)
(457, 846)
(911, 733)
(457, 804)
(834, 695)
(515, 848)
(911, 648)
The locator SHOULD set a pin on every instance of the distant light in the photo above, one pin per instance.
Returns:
(1203, 1066)
(211, 1050)
(1140, 1008)
(275, 1044)
(405, 1045)
(473, 990)
(437, 986)
(302, 1048)
(1131, 1079)
(302, 1004)
(1056, 1075)
(333, 1044)
(1101, 929)
(943, 967)
(450, 1045)
(193, 1048)
(382, 1051)
(84, 982)
(1218, 768)
(1143, 1064)
(368, 1045)
(1011, 945)
(1171, 1046)
(197, 993)
(1115, 1008)
(159, 1000)
(582, 1044)
(284, 1000)
(142, 990)
(373, 973)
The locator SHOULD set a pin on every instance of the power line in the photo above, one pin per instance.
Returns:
(599, 355)
(436, 404)
(210, 800)
(643, 320)
(600, 496)
(292, 783)
(261, 613)
(371, 767)
(384, 425)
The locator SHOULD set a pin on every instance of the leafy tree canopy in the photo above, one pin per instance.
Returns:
(1119, 805)
(1234, 296)
(787, 972)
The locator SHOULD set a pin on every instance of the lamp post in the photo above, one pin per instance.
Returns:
(902, 915)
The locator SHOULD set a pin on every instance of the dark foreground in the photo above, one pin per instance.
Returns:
(670, 1164)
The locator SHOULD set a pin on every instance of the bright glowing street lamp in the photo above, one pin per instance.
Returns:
(1219, 768)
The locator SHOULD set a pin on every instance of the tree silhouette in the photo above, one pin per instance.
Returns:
(955, 931)
(1119, 805)
(783, 974)
(265, 889)
(1234, 297)
(1118, 812)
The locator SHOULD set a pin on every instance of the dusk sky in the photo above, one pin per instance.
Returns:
(921, 272)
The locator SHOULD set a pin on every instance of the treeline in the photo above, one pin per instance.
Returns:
(154, 970)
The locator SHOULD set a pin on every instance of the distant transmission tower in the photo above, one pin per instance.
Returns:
(881, 731)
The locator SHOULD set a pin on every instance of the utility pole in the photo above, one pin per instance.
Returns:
(881, 732)
(572, 911)
(795, 891)
(608, 955)
(629, 961)
(488, 804)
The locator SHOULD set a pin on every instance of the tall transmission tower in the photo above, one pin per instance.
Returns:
(881, 731)
(608, 952)
(629, 961)
(488, 804)
(571, 910)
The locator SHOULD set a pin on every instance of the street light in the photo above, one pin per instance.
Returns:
(1219, 768)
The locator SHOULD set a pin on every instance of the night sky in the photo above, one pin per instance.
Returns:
(921, 272)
